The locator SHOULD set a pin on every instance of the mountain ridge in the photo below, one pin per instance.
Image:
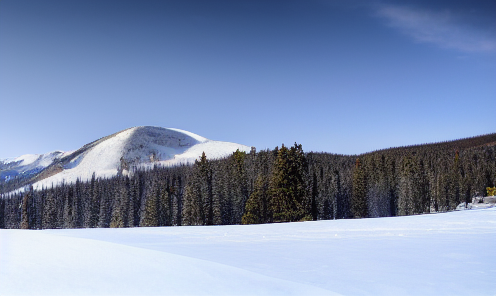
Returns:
(121, 153)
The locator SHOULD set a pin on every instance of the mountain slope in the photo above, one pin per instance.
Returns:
(136, 147)
(28, 165)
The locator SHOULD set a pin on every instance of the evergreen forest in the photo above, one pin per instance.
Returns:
(269, 186)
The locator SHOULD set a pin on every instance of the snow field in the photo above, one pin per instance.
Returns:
(435, 254)
(60, 265)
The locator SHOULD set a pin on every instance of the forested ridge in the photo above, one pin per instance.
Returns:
(280, 185)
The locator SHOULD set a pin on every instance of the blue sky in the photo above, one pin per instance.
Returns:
(336, 76)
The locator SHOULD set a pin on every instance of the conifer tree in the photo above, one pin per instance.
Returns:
(339, 196)
(359, 205)
(288, 187)
(2, 213)
(24, 211)
(121, 204)
(105, 205)
(198, 198)
(315, 192)
(68, 218)
(175, 190)
(94, 206)
(191, 208)
(164, 206)
(135, 200)
(257, 205)
(49, 211)
(150, 215)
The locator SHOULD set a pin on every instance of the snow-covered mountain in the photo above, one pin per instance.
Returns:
(28, 165)
(143, 146)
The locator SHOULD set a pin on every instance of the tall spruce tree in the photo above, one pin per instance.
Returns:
(257, 206)
(240, 183)
(315, 193)
(198, 199)
(288, 186)
(150, 214)
(121, 204)
(24, 211)
(359, 205)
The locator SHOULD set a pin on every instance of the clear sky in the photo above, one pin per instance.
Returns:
(336, 76)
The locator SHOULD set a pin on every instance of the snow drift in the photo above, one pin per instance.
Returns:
(433, 254)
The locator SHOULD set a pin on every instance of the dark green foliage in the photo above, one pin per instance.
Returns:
(240, 183)
(150, 215)
(121, 205)
(24, 211)
(2, 213)
(315, 192)
(198, 198)
(257, 206)
(359, 205)
(288, 186)
(93, 206)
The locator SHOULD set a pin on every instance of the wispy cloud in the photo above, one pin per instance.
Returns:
(443, 29)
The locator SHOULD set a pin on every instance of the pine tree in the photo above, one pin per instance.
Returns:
(105, 205)
(94, 206)
(240, 183)
(315, 192)
(198, 199)
(176, 192)
(2, 213)
(150, 215)
(164, 206)
(359, 205)
(49, 210)
(288, 187)
(257, 205)
(121, 204)
(24, 211)
(68, 220)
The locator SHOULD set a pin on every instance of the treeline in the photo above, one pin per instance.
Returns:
(284, 184)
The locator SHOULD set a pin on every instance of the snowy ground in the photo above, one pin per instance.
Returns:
(437, 254)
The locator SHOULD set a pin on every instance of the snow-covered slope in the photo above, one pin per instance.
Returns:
(433, 254)
(131, 148)
(28, 165)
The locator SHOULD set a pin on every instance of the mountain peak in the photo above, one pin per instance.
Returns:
(124, 151)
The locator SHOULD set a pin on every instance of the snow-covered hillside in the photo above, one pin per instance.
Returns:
(434, 254)
(143, 146)
(28, 165)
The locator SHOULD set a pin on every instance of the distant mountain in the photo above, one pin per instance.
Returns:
(119, 153)
(26, 166)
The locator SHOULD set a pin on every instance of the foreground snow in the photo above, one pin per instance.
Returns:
(438, 254)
